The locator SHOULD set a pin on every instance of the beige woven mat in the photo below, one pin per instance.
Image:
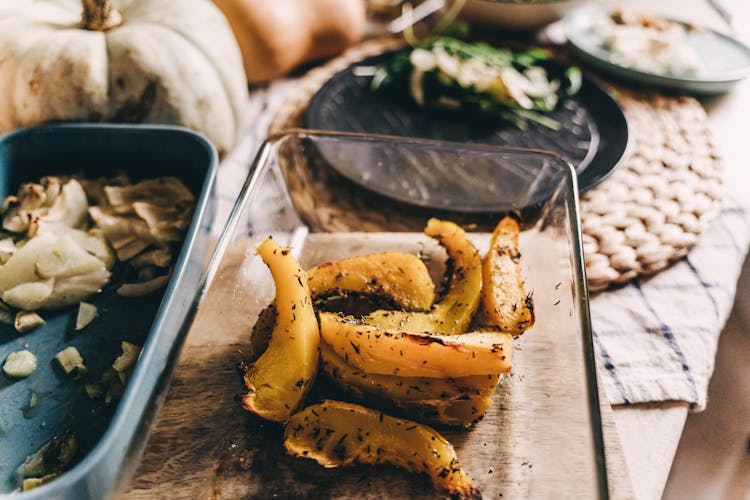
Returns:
(647, 214)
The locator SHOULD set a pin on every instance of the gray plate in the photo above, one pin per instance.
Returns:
(725, 59)
(593, 137)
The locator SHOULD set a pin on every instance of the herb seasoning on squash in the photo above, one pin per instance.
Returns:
(281, 378)
(338, 434)
(395, 352)
(453, 312)
(503, 295)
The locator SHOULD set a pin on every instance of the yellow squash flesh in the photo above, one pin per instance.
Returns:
(434, 391)
(504, 296)
(459, 413)
(453, 312)
(337, 434)
(401, 277)
(279, 380)
(394, 352)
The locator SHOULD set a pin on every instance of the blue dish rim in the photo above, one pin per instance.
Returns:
(142, 387)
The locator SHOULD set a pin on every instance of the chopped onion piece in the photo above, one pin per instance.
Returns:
(164, 191)
(71, 362)
(20, 364)
(27, 320)
(29, 296)
(86, 314)
(140, 289)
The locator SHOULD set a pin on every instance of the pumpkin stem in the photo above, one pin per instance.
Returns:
(99, 15)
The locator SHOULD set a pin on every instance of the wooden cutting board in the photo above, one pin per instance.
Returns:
(204, 445)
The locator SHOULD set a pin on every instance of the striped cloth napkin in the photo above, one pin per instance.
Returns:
(656, 337)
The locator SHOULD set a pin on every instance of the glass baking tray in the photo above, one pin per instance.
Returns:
(110, 437)
(542, 437)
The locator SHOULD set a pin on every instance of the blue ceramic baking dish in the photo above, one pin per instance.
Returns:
(110, 437)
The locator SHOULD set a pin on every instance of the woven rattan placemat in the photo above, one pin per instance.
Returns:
(647, 214)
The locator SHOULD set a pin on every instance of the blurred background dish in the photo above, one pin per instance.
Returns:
(719, 60)
(517, 15)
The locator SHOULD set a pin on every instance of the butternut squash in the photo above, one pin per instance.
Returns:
(400, 277)
(394, 352)
(281, 378)
(503, 293)
(453, 312)
(338, 434)
(276, 36)
(459, 413)
(433, 391)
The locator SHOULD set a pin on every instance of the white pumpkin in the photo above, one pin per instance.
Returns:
(153, 61)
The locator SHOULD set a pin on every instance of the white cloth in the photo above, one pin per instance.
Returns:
(656, 337)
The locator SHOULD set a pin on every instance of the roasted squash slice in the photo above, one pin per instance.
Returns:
(453, 312)
(433, 391)
(400, 277)
(459, 413)
(336, 434)
(503, 294)
(279, 380)
(394, 352)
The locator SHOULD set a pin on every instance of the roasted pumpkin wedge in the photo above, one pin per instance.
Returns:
(336, 434)
(400, 277)
(394, 352)
(459, 413)
(433, 391)
(503, 294)
(453, 312)
(262, 331)
(279, 380)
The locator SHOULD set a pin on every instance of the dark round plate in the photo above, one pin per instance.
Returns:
(593, 137)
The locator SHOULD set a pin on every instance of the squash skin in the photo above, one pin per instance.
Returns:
(433, 391)
(451, 314)
(401, 277)
(503, 295)
(280, 379)
(170, 61)
(394, 352)
(338, 434)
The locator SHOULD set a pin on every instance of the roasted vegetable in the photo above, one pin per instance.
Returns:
(503, 293)
(401, 277)
(434, 391)
(279, 380)
(453, 312)
(336, 434)
(394, 352)
(459, 413)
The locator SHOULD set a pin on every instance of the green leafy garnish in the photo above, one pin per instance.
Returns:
(448, 73)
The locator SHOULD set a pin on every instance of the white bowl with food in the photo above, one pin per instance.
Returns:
(516, 15)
